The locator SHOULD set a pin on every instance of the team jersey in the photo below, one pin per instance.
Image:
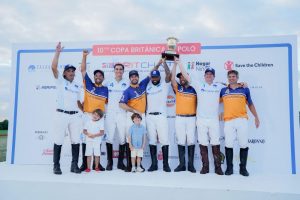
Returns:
(186, 100)
(235, 101)
(208, 98)
(135, 96)
(68, 93)
(95, 97)
(157, 97)
(115, 91)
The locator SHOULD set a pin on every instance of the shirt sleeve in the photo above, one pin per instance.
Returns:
(145, 82)
(248, 96)
(125, 97)
(87, 79)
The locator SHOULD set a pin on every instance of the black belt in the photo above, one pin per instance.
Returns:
(186, 115)
(67, 112)
(155, 113)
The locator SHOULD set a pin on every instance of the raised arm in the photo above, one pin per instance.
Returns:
(173, 75)
(85, 53)
(128, 108)
(183, 71)
(254, 113)
(54, 64)
(167, 71)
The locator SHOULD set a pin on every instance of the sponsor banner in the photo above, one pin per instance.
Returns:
(266, 64)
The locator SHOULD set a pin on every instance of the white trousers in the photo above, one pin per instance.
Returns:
(65, 122)
(236, 128)
(185, 130)
(158, 129)
(208, 131)
(115, 122)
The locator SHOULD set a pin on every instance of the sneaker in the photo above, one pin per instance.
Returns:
(87, 170)
(97, 169)
(139, 169)
(133, 169)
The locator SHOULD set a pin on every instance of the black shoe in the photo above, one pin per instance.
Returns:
(181, 155)
(121, 157)
(109, 151)
(84, 158)
(243, 160)
(229, 158)
(191, 153)
(56, 159)
(75, 155)
(153, 154)
(165, 151)
(128, 158)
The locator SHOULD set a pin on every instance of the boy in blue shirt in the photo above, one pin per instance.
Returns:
(137, 140)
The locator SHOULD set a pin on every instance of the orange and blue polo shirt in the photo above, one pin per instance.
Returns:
(235, 101)
(135, 96)
(186, 100)
(95, 97)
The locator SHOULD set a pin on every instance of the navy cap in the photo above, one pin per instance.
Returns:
(209, 69)
(99, 71)
(133, 72)
(155, 73)
(69, 66)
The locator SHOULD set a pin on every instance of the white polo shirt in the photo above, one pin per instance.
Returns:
(94, 127)
(208, 98)
(115, 92)
(68, 93)
(157, 97)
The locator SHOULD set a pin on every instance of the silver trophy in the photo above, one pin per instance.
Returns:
(170, 53)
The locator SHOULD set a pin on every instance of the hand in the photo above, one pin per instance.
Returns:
(243, 84)
(131, 148)
(85, 52)
(176, 60)
(257, 122)
(59, 48)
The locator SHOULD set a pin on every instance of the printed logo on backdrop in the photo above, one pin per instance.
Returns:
(198, 65)
(45, 87)
(41, 67)
(170, 101)
(228, 65)
(40, 134)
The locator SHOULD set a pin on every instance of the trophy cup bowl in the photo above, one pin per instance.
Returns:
(170, 53)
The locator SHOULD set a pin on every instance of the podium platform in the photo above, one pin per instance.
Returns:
(38, 182)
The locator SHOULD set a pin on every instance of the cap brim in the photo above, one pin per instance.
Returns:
(70, 68)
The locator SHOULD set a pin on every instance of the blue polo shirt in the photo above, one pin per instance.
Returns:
(137, 133)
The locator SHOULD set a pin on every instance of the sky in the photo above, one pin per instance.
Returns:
(33, 21)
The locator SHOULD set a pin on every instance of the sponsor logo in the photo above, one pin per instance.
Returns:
(170, 101)
(31, 68)
(45, 87)
(228, 65)
(254, 65)
(41, 135)
(256, 141)
(47, 152)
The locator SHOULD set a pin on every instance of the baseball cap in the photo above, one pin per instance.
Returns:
(133, 72)
(99, 71)
(155, 73)
(209, 69)
(69, 66)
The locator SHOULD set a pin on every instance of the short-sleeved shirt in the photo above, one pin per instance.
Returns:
(95, 97)
(135, 96)
(115, 92)
(68, 93)
(186, 100)
(235, 101)
(157, 97)
(137, 133)
(94, 127)
(208, 99)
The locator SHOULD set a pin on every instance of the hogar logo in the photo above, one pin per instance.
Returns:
(228, 65)
(170, 101)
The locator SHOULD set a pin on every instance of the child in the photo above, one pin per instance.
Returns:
(136, 140)
(94, 130)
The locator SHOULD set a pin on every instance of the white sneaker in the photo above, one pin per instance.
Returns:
(133, 169)
(139, 169)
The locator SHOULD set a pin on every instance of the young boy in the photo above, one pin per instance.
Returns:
(137, 140)
(94, 130)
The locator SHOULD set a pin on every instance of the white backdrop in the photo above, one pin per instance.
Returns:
(267, 64)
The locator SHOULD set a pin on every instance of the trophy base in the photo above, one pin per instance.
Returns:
(169, 56)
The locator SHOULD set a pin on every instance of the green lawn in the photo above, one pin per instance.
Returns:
(3, 140)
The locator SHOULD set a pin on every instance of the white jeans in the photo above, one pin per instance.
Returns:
(158, 129)
(208, 131)
(65, 122)
(185, 130)
(115, 122)
(236, 128)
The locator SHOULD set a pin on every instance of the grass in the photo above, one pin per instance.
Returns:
(3, 140)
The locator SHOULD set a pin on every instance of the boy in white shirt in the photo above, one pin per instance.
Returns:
(94, 130)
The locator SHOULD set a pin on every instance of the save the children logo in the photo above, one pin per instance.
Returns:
(228, 65)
